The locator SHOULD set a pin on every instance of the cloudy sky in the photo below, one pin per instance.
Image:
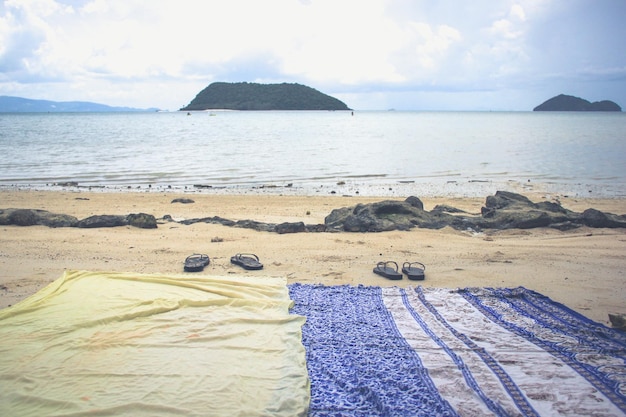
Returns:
(372, 54)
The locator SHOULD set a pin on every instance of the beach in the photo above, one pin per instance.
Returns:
(583, 268)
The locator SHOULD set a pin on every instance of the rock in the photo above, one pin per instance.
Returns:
(503, 210)
(618, 320)
(384, 216)
(142, 220)
(252, 224)
(504, 199)
(23, 217)
(315, 228)
(444, 208)
(57, 220)
(415, 202)
(183, 201)
(296, 227)
(337, 216)
(31, 217)
(506, 210)
(596, 218)
(519, 220)
(105, 220)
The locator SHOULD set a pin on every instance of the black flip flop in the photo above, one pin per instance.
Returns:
(196, 262)
(384, 269)
(246, 261)
(413, 272)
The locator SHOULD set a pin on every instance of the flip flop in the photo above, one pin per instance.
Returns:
(413, 272)
(196, 262)
(384, 269)
(246, 261)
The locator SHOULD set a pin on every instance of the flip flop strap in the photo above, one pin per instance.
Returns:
(241, 255)
(414, 263)
(383, 265)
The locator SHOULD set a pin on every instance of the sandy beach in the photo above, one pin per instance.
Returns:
(584, 268)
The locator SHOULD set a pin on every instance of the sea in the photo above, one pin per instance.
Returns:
(387, 153)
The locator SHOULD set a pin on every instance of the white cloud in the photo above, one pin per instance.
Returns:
(432, 45)
(162, 52)
(518, 12)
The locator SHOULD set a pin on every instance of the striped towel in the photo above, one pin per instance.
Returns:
(468, 352)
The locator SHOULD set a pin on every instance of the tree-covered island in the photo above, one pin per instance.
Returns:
(253, 96)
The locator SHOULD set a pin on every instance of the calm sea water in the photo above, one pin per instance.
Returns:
(437, 151)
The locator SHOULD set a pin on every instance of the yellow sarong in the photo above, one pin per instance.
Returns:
(136, 344)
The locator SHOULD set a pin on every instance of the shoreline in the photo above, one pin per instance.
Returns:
(452, 188)
(581, 268)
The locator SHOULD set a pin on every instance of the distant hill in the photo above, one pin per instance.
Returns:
(563, 102)
(10, 104)
(253, 96)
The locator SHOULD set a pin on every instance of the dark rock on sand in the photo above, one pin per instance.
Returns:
(444, 208)
(104, 220)
(315, 228)
(253, 224)
(596, 218)
(415, 202)
(183, 201)
(386, 215)
(31, 217)
(214, 220)
(142, 220)
(504, 210)
(296, 227)
(22, 217)
(618, 320)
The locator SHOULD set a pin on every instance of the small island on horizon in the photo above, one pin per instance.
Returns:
(254, 96)
(11, 104)
(564, 102)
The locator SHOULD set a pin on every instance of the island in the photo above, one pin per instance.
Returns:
(254, 96)
(564, 102)
(10, 104)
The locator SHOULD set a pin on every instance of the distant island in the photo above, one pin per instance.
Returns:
(564, 102)
(9, 104)
(253, 96)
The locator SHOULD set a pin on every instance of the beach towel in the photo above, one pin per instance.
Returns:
(115, 344)
(375, 351)
(94, 343)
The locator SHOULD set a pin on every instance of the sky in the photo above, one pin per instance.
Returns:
(450, 55)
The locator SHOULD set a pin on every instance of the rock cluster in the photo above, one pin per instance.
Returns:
(31, 217)
(504, 210)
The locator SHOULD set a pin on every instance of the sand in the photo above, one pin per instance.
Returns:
(584, 269)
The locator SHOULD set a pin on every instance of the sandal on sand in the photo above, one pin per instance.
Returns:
(247, 261)
(196, 262)
(384, 269)
(413, 272)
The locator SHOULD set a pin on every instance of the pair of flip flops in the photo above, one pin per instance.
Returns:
(247, 261)
(389, 270)
(196, 262)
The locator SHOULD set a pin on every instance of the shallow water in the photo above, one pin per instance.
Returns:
(311, 150)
